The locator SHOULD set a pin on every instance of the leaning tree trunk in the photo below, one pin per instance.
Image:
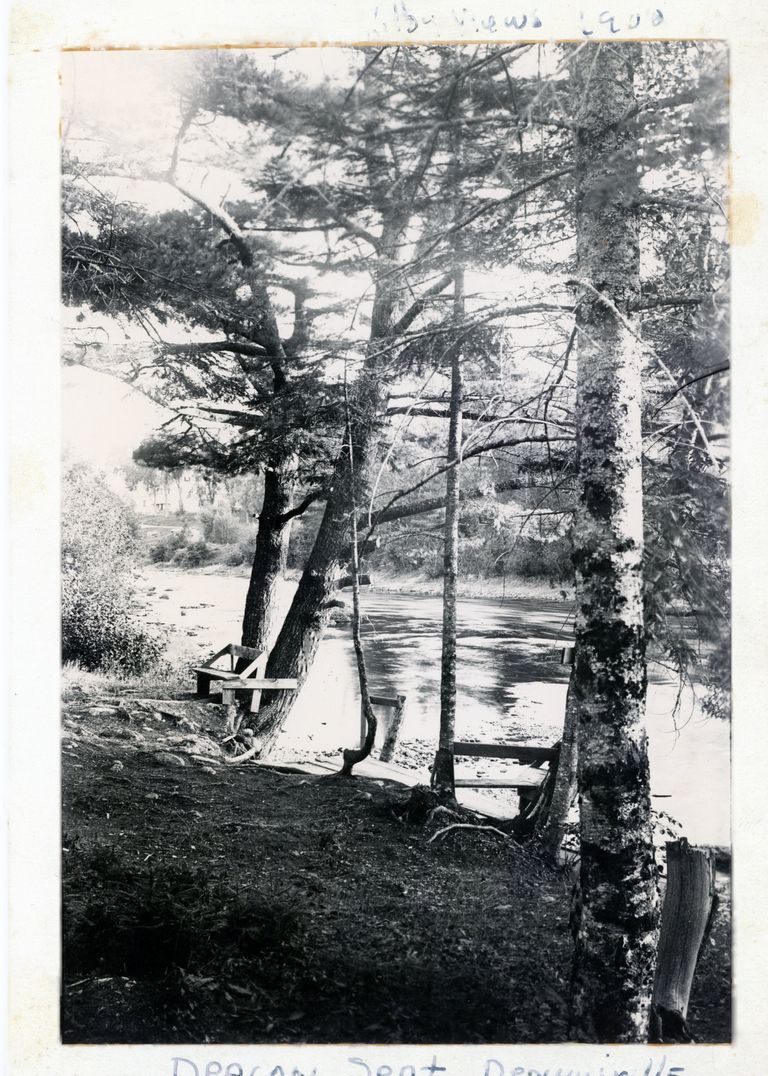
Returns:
(393, 195)
(299, 638)
(354, 755)
(301, 632)
(270, 555)
(616, 899)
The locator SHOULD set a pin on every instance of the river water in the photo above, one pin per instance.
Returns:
(511, 687)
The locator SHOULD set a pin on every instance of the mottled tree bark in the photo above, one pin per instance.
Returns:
(616, 899)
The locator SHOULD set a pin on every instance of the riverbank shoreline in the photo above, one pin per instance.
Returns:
(499, 587)
(513, 687)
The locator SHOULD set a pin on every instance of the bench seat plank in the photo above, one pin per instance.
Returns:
(521, 752)
(280, 683)
(220, 674)
(532, 779)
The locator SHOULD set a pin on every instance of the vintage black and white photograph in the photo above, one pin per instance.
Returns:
(395, 530)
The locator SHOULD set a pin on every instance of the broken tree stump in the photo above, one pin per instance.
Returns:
(689, 905)
(551, 824)
(393, 729)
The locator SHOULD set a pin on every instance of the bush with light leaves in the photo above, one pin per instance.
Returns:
(100, 628)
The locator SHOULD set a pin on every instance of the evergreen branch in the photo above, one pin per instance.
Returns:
(601, 297)
(724, 368)
(473, 416)
(347, 223)
(237, 347)
(416, 308)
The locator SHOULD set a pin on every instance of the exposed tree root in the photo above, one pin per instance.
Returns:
(466, 825)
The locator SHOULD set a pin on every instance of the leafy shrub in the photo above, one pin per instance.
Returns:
(241, 553)
(231, 555)
(221, 529)
(532, 558)
(99, 555)
(195, 555)
(167, 547)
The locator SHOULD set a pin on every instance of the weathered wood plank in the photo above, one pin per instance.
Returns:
(219, 654)
(384, 700)
(521, 781)
(213, 674)
(521, 752)
(263, 683)
(687, 914)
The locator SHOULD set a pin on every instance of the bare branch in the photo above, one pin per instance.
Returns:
(303, 505)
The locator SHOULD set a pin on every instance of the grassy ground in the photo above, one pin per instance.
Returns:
(211, 903)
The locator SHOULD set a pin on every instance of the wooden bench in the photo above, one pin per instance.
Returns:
(207, 673)
(230, 688)
(529, 779)
(230, 683)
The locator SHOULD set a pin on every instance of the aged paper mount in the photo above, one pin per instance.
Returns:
(38, 31)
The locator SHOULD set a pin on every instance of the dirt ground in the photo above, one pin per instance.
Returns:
(209, 903)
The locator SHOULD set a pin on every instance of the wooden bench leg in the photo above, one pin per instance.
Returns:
(259, 672)
(230, 709)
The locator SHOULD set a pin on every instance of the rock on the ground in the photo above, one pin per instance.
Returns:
(167, 758)
(117, 767)
(186, 713)
(128, 734)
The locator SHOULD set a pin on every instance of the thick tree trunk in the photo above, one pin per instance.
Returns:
(392, 195)
(269, 559)
(616, 899)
